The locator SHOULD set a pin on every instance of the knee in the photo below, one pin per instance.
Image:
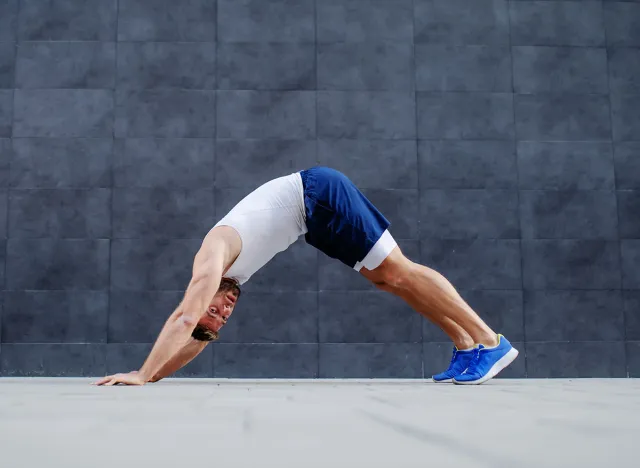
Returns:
(395, 273)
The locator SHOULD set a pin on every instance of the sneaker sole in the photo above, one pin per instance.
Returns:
(503, 362)
(442, 381)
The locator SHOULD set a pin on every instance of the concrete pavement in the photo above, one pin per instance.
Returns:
(68, 423)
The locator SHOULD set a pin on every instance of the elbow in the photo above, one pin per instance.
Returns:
(187, 321)
(181, 321)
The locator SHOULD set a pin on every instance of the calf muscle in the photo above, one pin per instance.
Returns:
(433, 296)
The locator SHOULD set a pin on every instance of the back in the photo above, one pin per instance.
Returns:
(268, 221)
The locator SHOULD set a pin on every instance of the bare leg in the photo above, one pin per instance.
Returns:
(460, 338)
(435, 292)
(431, 294)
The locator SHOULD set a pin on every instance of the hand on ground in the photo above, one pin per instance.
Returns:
(132, 378)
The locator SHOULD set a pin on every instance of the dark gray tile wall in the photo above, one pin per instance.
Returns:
(500, 137)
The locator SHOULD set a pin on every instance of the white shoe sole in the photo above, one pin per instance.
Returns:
(442, 381)
(495, 370)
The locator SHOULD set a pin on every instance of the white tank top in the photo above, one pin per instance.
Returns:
(268, 220)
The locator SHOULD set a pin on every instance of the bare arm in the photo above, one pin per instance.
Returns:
(180, 359)
(207, 273)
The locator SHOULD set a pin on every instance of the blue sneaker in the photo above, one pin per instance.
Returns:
(459, 362)
(487, 363)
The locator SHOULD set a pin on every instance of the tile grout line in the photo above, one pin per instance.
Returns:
(518, 201)
(317, 161)
(216, 39)
(112, 162)
(303, 42)
(7, 205)
(416, 141)
(615, 191)
(288, 343)
(334, 91)
(8, 201)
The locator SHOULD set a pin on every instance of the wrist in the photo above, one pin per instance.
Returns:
(144, 375)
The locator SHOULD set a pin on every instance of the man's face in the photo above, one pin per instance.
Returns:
(219, 310)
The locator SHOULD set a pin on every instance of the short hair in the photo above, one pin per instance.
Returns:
(202, 333)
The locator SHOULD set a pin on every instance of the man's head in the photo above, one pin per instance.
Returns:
(219, 310)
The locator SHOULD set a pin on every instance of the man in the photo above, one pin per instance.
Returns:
(335, 217)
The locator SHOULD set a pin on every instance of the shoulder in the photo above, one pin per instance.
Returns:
(223, 240)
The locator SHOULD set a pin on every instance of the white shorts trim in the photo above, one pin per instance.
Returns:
(378, 252)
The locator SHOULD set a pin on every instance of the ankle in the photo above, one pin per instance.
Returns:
(464, 345)
(489, 341)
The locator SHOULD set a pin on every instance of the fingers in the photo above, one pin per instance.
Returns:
(103, 380)
(127, 379)
(109, 380)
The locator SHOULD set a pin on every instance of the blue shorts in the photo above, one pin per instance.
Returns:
(341, 221)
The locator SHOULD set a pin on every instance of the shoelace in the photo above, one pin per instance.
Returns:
(473, 364)
(453, 358)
